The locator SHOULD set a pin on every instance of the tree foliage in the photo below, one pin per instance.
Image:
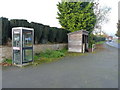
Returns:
(118, 31)
(75, 16)
(102, 13)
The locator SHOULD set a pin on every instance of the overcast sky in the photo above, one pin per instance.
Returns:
(45, 12)
(111, 26)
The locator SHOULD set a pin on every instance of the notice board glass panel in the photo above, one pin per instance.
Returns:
(27, 38)
(27, 55)
(16, 39)
(17, 56)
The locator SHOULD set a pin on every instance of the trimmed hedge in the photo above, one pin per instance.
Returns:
(99, 38)
(18, 23)
(45, 35)
(4, 30)
(38, 29)
(65, 36)
(42, 33)
(60, 35)
(52, 34)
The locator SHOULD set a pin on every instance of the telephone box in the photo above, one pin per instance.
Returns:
(22, 43)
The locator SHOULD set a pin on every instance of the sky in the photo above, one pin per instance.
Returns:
(45, 12)
(111, 26)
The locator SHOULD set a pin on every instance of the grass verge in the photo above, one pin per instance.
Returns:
(6, 62)
(47, 56)
(101, 42)
(118, 41)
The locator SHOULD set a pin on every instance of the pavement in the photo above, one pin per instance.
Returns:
(92, 70)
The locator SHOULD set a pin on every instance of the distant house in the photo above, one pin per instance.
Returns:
(109, 38)
(78, 41)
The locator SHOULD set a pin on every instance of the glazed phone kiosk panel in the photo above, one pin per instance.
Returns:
(22, 42)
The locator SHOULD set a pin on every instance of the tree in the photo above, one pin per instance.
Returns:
(101, 13)
(75, 16)
(118, 26)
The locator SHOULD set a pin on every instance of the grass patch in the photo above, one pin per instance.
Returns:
(49, 56)
(53, 55)
(101, 42)
(6, 62)
(9, 61)
(118, 41)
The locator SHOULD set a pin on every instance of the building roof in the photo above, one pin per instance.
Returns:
(23, 28)
(82, 31)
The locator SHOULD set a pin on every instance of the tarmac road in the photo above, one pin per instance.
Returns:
(94, 70)
(114, 44)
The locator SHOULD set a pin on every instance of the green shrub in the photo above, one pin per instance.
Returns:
(4, 30)
(18, 23)
(90, 40)
(42, 33)
(65, 36)
(52, 34)
(98, 38)
(38, 29)
(45, 34)
(60, 35)
(9, 61)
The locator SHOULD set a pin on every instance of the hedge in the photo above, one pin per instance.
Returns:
(99, 38)
(60, 35)
(65, 36)
(4, 30)
(42, 33)
(52, 34)
(18, 23)
(45, 35)
(38, 29)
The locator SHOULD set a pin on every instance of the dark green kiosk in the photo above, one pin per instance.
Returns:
(22, 43)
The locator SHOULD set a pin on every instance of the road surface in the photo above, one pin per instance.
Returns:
(94, 70)
(113, 44)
